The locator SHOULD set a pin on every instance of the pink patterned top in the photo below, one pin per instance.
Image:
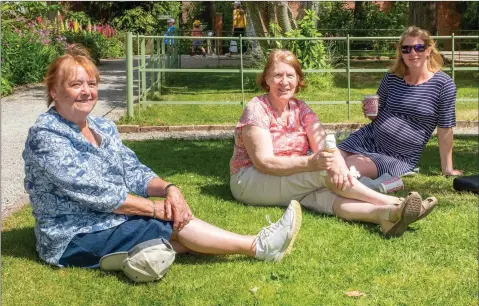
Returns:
(289, 139)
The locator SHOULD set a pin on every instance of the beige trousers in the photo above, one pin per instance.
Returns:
(255, 188)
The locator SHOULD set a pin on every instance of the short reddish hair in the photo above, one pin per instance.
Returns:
(286, 57)
(65, 65)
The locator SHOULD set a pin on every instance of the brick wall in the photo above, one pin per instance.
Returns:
(448, 20)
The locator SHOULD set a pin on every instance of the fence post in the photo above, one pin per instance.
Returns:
(152, 60)
(129, 74)
(241, 69)
(143, 66)
(159, 42)
(349, 76)
(452, 48)
(138, 65)
(163, 59)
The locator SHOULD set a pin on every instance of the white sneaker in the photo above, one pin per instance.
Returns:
(276, 240)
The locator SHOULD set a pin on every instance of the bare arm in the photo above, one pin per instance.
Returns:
(139, 206)
(316, 135)
(173, 208)
(259, 145)
(445, 139)
(337, 167)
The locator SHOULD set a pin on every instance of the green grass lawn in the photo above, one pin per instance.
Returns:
(227, 88)
(433, 263)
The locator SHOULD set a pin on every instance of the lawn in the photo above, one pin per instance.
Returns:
(227, 88)
(433, 263)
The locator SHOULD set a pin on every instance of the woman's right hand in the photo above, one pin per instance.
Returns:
(369, 117)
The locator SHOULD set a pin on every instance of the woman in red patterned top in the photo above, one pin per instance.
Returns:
(270, 165)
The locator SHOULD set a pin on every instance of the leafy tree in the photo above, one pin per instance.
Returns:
(122, 13)
(470, 15)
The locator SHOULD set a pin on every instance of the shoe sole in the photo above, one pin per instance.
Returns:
(298, 218)
(409, 214)
(431, 204)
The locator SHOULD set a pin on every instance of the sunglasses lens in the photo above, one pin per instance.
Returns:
(419, 48)
(406, 49)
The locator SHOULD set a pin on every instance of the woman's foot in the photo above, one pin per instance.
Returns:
(276, 240)
(407, 212)
(427, 206)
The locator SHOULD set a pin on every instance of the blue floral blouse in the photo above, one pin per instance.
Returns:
(73, 185)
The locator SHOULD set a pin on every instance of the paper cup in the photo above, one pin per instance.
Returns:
(371, 104)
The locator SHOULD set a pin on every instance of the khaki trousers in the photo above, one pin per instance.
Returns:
(255, 188)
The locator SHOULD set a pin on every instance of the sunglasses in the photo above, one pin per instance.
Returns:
(406, 49)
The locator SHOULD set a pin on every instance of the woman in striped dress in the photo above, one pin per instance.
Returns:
(415, 98)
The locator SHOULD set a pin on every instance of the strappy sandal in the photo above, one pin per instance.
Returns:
(411, 210)
(427, 206)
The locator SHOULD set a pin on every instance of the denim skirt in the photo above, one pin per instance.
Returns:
(85, 250)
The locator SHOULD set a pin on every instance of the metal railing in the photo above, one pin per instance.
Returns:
(164, 58)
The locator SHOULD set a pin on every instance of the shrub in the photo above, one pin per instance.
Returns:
(80, 17)
(135, 20)
(7, 87)
(27, 53)
(98, 45)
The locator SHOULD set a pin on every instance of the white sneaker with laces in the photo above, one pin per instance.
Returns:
(276, 240)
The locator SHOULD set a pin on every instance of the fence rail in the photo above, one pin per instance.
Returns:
(164, 58)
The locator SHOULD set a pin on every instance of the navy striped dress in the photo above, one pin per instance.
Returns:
(408, 114)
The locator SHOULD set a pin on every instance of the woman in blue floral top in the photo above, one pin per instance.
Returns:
(89, 192)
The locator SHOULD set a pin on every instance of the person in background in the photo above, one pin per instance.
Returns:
(90, 194)
(270, 165)
(415, 98)
(198, 43)
(170, 32)
(239, 24)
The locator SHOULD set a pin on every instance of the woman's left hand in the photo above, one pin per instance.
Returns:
(176, 207)
(453, 172)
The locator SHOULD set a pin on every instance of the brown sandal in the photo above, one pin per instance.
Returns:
(427, 206)
(411, 210)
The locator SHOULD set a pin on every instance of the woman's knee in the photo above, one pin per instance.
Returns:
(363, 164)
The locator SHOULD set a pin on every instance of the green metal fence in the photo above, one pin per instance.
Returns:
(164, 58)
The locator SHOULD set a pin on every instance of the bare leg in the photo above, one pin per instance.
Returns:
(363, 164)
(353, 210)
(179, 249)
(362, 193)
(202, 237)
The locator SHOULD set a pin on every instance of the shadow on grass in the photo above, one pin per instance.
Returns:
(20, 242)
(172, 157)
(221, 191)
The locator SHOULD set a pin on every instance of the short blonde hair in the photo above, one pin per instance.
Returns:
(286, 57)
(434, 61)
(65, 65)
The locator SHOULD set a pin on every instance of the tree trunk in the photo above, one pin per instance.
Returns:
(253, 10)
(291, 19)
(423, 15)
(283, 18)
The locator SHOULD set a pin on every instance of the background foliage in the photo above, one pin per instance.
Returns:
(35, 33)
